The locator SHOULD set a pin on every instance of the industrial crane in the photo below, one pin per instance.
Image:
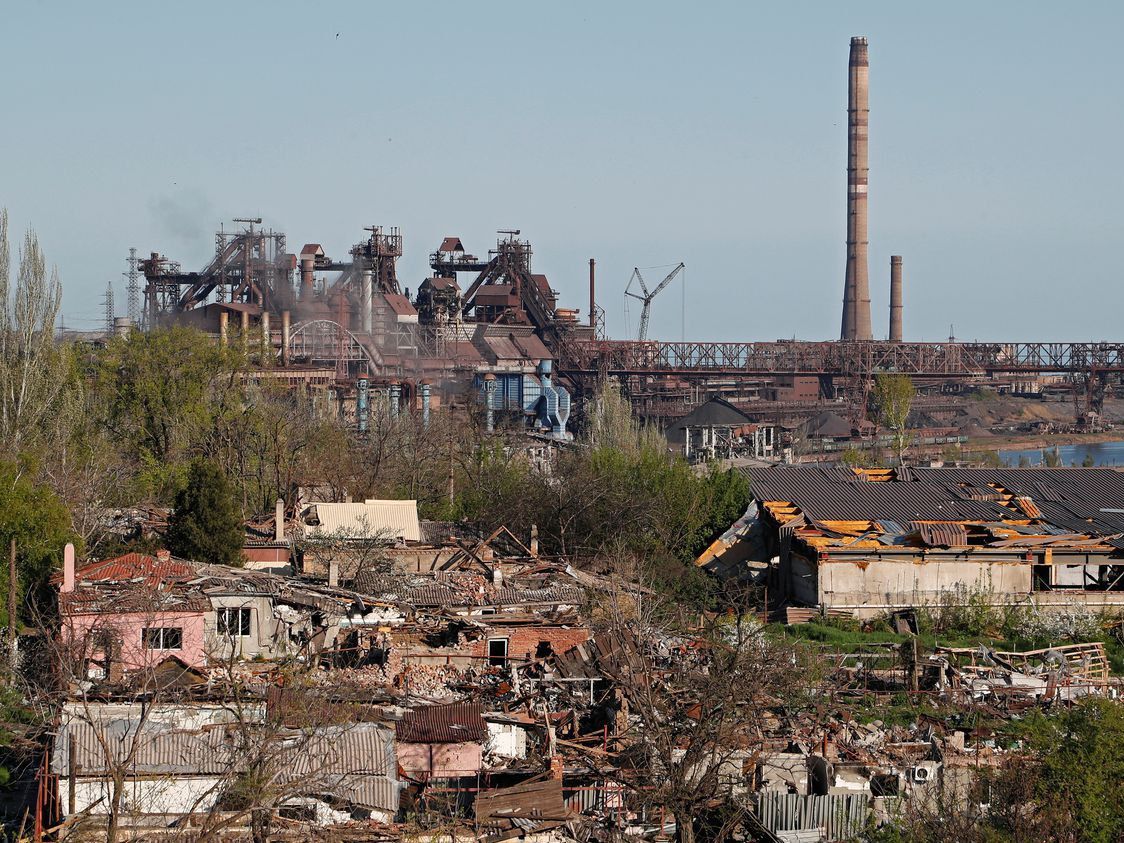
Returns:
(647, 297)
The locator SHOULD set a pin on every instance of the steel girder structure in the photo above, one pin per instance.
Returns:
(323, 341)
(935, 360)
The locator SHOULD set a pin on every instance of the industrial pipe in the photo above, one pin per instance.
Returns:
(365, 301)
(286, 320)
(395, 398)
(489, 403)
(224, 319)
(245, 331)
(361, 408)
(266, 338)
(425, 405)
(895, 298)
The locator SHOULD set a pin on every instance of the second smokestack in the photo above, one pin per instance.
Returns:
(895, 298)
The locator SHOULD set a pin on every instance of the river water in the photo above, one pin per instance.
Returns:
(1103, 453)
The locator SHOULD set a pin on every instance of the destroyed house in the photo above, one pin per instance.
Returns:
(467, 618)
(339, 539)
(870, 541)
(442, 741)
(135, 611)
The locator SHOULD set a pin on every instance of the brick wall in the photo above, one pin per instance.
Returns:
(523, 641)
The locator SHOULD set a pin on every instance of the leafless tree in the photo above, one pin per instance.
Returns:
(693, 708)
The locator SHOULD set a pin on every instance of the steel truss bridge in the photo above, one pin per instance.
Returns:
(695, 360)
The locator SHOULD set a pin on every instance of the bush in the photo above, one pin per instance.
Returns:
(1032, 623)
(964, 611)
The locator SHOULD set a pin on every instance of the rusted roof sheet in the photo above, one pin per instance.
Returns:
(541, 800)
(451, 244)
(531, 346)
(457, 723)
(399, 304)
(503, 348)
(136, 566)
(942, 535)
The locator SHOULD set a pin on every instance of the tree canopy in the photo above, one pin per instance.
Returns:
(205, 525)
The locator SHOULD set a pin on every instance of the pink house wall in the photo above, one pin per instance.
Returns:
(128, 628)
(440, 760)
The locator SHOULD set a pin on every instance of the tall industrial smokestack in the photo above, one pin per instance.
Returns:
(895, 298)
(592, 296)
(856, 294)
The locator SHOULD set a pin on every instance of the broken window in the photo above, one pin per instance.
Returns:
(884, 784)
(497, 652)
(1041, 576)
(234, 621)
(162, 638)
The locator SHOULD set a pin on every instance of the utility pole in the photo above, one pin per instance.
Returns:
(13, 627)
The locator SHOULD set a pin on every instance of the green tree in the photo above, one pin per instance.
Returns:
(1088, 462)
(1024, 461)
(32, 515)
(1082, 768)
(854, 458)
(205, 525)
(1051, 458)
(162, 394)
(893, 395)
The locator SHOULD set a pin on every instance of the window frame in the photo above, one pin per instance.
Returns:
(499, 661)
(243, 620)
(157, 637)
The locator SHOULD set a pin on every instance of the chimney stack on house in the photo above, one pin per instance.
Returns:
(279, 521)
(67, 569)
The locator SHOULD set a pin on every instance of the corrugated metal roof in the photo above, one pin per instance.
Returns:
(826, 495)
(569, 595)
(1089, 486)
(357, 520)
(457, 723)
(942, 535)
(356, 761)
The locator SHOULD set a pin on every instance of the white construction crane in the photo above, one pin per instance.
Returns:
(647, 297)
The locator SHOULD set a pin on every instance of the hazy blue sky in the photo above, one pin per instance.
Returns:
(636, 133)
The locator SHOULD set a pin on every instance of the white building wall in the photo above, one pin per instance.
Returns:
(176, 794)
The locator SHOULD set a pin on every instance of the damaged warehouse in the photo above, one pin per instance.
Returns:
(868, 542)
